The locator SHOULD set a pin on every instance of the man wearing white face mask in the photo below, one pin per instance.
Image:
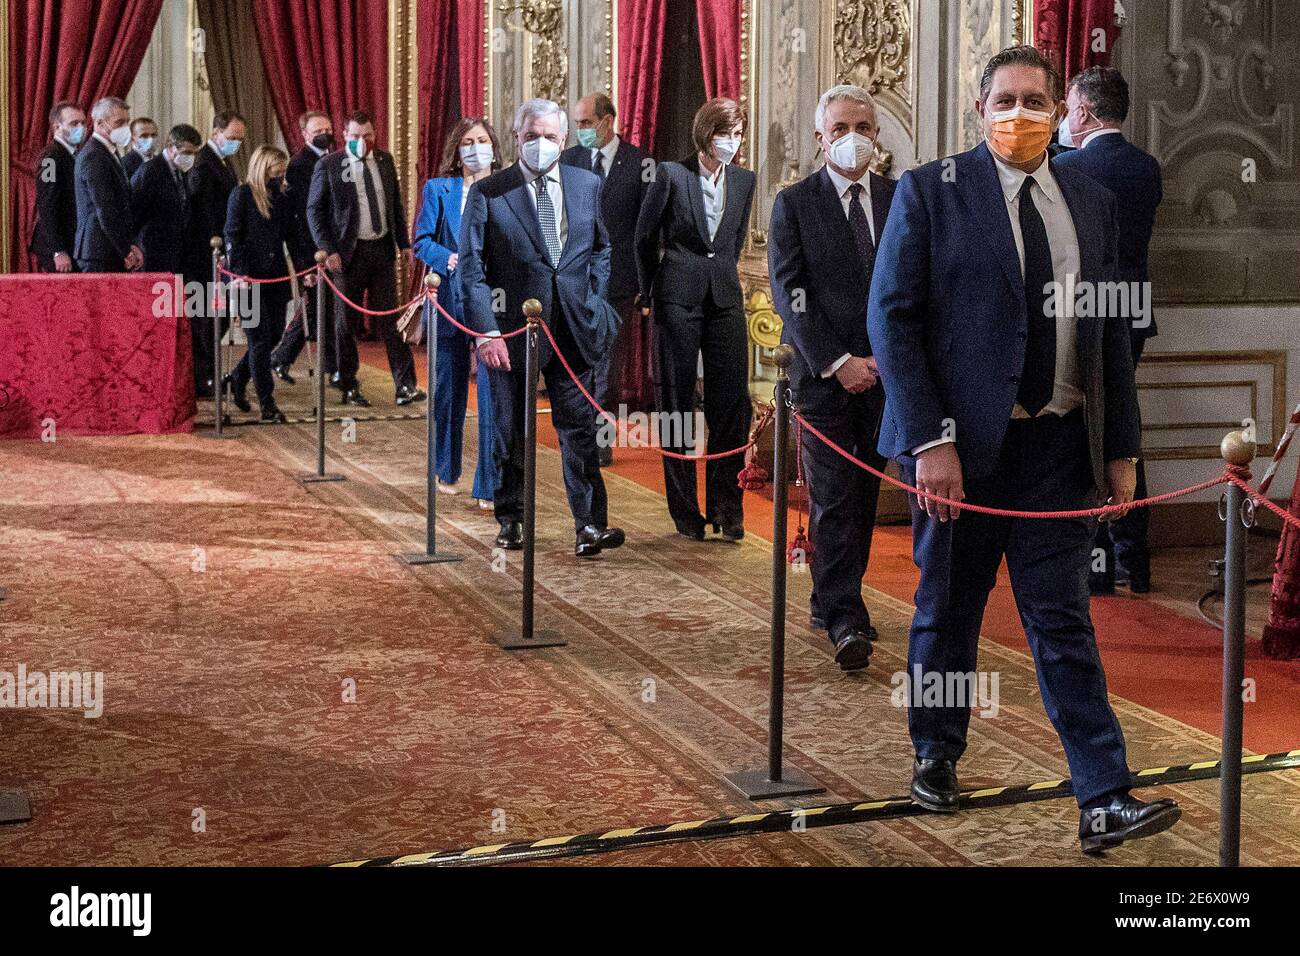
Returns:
(533, 231)
(160, 202)
(697, 213)
(999, 394)
(105, 240)
(821, 255)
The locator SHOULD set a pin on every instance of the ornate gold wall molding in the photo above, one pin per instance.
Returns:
(403, 100)
(548, 66)
(874, 47)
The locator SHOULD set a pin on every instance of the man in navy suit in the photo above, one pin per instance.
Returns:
(105, 241)
(160, 202)
(821, 250)
(1003, 392)
(626, 172)
(1098, 104)
(533, 231)
(55, 228)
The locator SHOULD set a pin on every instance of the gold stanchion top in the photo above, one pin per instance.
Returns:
(533, 311)
(215, 243)
(1237, 449)
(321, 256)
(432, 281)
(783, 358)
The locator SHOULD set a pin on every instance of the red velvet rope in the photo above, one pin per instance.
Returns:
(362, 309)
(251, 281)
(1228, 476)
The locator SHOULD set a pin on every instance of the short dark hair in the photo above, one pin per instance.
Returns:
(360, 117)
(452, 164)
(1021, 56)
(142, 119)
(56, 112)
(602, 106)
(1106, 91)
(225, 117)
(719, 115)
(184, 133)
(310, 115)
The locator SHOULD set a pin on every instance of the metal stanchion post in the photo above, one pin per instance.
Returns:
(319, 475)
(777, 781)
(526, 638)
(1238, 451)
(430, 554)
(218, 386)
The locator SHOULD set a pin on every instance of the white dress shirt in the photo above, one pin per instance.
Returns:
(610, 150)
(1104, 131)
(554, 189)
(366, 230)
(1067, 393)
(715, 197)
(842, 184)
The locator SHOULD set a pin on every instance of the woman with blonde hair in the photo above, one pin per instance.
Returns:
(259, 221)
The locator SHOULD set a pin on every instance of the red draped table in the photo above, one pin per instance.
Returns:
(94, 355)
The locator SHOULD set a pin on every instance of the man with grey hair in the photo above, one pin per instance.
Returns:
(821, 254)
(533, 231)
(105, 241)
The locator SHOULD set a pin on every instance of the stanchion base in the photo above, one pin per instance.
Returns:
(757, 785)
(314, 479)
(420, 558)
(14, 807)
(515, 642)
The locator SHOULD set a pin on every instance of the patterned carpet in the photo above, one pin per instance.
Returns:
(229, 606)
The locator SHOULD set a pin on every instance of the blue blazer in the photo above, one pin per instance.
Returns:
(948, 320)
(1134, 177)
(436, 238)
(501, 248)
(104, 217)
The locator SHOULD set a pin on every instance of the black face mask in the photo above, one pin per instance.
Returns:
(324, 142)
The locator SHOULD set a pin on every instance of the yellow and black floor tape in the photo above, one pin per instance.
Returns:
(335, 418)
(783, 821)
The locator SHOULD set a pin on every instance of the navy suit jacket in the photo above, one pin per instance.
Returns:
(104, 233)
(1134, 177)
(501, 248)
(132, 162)
(334, 209)
(626, 183)
(162, 218)
(255, 243)
(298, 176)
(211, 182)
(437, 234)
(819, 286)
(56, 201)
(948, 317)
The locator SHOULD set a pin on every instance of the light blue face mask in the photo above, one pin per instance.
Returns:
(144, 144)
(76, 135)
(587, 138)
(230, 147)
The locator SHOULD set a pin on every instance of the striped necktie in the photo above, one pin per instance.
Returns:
(546, 214)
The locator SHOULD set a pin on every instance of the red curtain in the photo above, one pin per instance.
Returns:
(328, 55)
(437, 70)
(469, 46)
(1066, 31)
(720, 46)
(77, 50)
(640, 57)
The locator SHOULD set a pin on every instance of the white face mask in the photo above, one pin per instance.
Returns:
(121, 137)
(184, 162)
(476, 156)
(358, 148)
(540, 154)
(725, 149)
(1065, 135)
(851, 151)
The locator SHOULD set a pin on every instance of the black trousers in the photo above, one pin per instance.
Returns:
(682, 334)
(1125, 541)
(303, 330)
(571, 416)
(263, 330)
(370, 279)
(606, 373)
(842, 498)
(201, 333)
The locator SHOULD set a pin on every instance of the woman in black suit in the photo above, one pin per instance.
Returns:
(259, 221)
(689, 237)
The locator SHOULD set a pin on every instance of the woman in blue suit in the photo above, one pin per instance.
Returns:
(472, 153)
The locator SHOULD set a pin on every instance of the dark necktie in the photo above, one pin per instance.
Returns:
(861, 228)
(546, 215)
(1038, 379)
(598, 164)
(372, 200)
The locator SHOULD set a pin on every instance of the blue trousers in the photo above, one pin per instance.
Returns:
(487, 476)
(450, 399)
(1043, 466)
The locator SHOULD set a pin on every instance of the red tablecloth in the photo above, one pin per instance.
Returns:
(94, 354)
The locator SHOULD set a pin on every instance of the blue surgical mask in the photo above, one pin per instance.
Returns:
(230, 147)
(587, 138)
(76, 135)
(144, 144)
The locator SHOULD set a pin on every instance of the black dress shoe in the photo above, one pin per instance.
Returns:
(353, 396)
(237, 395)
(1137, 583)
(205, 391)
(1124, 818)
(734, 531)
(337, 381)
(612, 538)
(852, 649)
(282, 373)
(934, 785)
(271, 414)
(511, 537)
(689, 529)
(588, 542)
(817, 622)
(408, 394)
(605, 456)
(1101, 585)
